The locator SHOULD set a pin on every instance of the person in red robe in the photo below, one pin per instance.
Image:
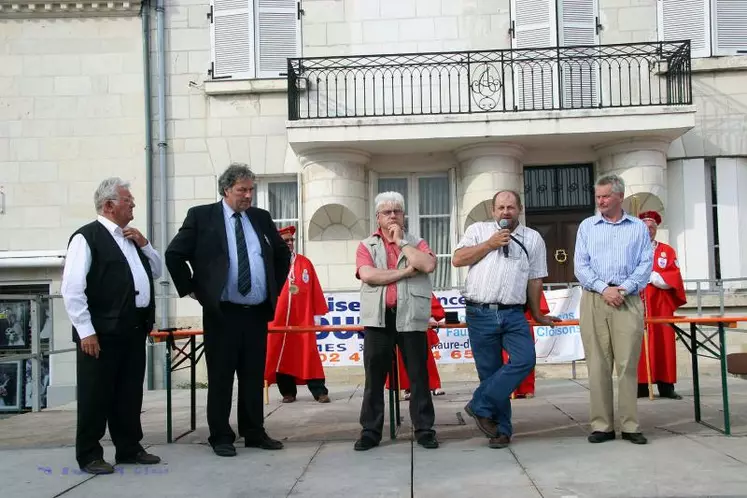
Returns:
(526, 388)
(434, 380)
(661, 297)
(293, 358)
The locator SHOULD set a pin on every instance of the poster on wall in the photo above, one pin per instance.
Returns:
(553, 344)
(10, 386)
(43, 383)
(14, 324)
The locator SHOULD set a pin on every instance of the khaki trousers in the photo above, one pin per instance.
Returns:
(612, 336)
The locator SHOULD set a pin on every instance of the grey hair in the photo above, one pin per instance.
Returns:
(389, 198)
(108, 191)
(618, 184)
(235, 172)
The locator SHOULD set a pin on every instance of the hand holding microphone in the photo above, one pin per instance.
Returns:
(501, 238)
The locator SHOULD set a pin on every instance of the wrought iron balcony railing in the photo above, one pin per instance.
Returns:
(557, 78)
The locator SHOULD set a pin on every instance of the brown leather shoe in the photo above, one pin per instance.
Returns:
(98, 467)
(289, 399)
(486, 425)
(323, 399)
(502, 441)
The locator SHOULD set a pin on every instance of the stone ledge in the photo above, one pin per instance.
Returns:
(720, 64)
(237, 87)
(10, 9)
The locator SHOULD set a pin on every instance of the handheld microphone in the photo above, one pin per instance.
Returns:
(504, 224)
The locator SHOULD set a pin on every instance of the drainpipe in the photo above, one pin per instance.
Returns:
(163, 239)
(145, 17)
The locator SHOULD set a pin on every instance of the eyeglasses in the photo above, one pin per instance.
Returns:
(390, 212)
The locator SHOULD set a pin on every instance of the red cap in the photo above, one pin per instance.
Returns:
(651, 215)
(290, 230)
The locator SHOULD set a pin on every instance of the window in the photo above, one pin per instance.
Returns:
(428, 215)
(253, 38)
(537, 24)
(280, 198)
(714, 27)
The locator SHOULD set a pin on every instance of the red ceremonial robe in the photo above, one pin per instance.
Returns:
(662, 303)
(527, 385)
(293, 353)
(434, 380)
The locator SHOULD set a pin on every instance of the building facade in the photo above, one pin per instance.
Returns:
(333, 101)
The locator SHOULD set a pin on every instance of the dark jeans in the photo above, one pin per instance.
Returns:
(378, 351)
(235, 344)
(287, 385)
(490, 332)
(110, 391)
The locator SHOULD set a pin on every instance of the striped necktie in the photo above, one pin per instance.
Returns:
(245, 272)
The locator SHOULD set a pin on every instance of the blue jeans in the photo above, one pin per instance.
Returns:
(491, 331)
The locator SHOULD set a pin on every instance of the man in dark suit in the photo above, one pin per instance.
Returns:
(238, 263)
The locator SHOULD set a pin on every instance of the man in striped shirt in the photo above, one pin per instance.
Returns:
(613, 263)
(507, 262)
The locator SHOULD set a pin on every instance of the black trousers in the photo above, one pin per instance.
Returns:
(378, 349)
(110, 391)
(287, 385)
(235, 344)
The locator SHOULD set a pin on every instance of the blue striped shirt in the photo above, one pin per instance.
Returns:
(231, 293)
(618, 253)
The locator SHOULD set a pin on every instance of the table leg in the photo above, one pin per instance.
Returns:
(169, 341)
(696, 380)
(192, 382)
(724, 377)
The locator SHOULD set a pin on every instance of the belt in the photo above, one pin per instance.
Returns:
(493, 306)
(229, 304)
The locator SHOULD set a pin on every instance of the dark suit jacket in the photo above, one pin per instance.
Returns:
(201, 242)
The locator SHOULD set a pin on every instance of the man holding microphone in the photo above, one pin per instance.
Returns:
(507, 262)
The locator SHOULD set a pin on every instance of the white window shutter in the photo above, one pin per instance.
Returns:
(278, 36)
(686, 20)
(232, 37)
(730, 27)
(533, 24)
(577, 25)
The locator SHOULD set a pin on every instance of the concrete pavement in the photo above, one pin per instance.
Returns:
(549, 456)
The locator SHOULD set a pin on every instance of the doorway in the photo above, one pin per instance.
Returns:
(558, 199)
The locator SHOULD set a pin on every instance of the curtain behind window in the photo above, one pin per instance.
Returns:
(435, 208)
(283, 203)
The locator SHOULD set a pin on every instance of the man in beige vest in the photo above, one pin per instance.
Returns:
(395, 299)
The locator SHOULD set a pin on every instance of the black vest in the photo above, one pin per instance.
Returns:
(110, 287)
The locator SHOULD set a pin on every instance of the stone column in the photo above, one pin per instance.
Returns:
(486, 169)
(335, 211)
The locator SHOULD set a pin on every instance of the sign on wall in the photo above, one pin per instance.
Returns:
(553, 344)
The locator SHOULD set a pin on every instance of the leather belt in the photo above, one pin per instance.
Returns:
(493, 306)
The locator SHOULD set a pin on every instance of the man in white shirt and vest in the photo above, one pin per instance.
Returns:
(393, 266)
(507, 262)
(107, 288)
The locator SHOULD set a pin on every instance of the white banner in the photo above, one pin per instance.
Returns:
(553, 344)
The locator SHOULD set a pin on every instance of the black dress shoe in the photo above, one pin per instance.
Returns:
(670, 394)
(428, 441)
(365, 443)
(600, 437)
(264, 441)
(634, 437)
(225, 450)
(487, 426)
(98, 467)
(142, 457)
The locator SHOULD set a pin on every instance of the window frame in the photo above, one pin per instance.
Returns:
(412, 210)
(262, 195)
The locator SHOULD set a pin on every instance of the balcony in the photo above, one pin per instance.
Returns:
(408, 102)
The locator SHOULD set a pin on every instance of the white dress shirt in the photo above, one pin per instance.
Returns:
(78, 263)
(499, 279)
